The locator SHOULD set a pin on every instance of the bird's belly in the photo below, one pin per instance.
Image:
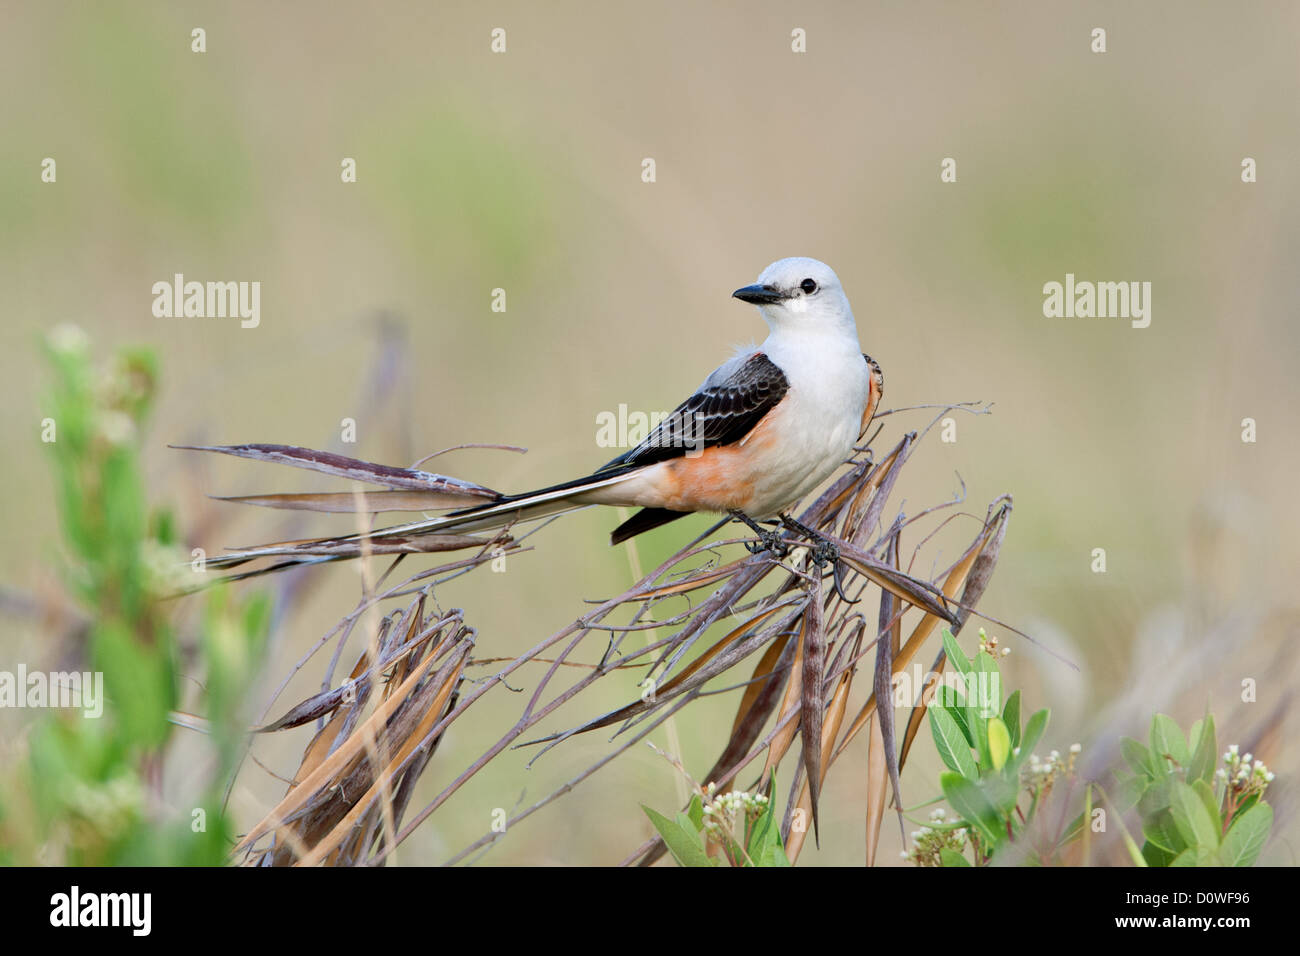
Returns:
(786, 455)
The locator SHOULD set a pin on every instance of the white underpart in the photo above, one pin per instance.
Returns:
(821, 414)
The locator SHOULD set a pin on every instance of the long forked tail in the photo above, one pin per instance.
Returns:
(405, 490)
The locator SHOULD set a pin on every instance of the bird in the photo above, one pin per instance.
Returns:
(763, 430)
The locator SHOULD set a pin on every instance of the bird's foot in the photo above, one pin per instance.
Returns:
(823, 553)
(768, 539)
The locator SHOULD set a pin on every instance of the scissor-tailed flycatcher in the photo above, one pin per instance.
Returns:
(763, 430)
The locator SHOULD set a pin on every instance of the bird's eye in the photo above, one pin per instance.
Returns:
(808, 286)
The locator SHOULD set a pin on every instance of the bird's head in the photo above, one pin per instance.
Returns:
(800, 293)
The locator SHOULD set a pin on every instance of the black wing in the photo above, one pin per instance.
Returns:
(717, 414)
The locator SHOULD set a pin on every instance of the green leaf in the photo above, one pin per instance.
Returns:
(1137, 756)
(1206, 793)
(1167, 743)
(1160, 831)
(974, 806)
(988, 686)
(950, 857)
(1205, 751)
(1246, 836)
(1154, 855)
(695, 811)
(1075, 829)
(1128, 791)
(999, 742)
(765, 842)
(983, 700)
(139, 679)
(686, 846)
(1003, 790)
(959, 715)
(1157, 796)
(956, 655)
(980, 731)
(1034, 728)
(950, 691)
(1011, 717)
(1193, 820)
(1194, 856)
(951, 743)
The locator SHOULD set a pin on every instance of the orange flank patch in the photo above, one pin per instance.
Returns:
(873, 397)
(722, 477)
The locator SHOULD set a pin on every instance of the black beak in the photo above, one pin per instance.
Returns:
(758, 294)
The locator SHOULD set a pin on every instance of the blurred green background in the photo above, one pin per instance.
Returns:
(522, 171)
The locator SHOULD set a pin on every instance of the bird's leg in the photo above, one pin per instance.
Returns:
(823, 553)
(767, 540)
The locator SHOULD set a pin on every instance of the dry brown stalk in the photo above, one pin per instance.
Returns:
(382, 725)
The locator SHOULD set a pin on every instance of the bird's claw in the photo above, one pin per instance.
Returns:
(824, 552)
(768, 541)
(837, 575)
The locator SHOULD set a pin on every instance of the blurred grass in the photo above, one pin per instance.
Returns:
(80, 786)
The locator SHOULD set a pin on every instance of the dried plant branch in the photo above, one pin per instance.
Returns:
(379, 728)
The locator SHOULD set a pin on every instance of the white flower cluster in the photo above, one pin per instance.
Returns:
(990, 645)
(928, 843)
(1243, 771)
(1044, 771)
(721, 812)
